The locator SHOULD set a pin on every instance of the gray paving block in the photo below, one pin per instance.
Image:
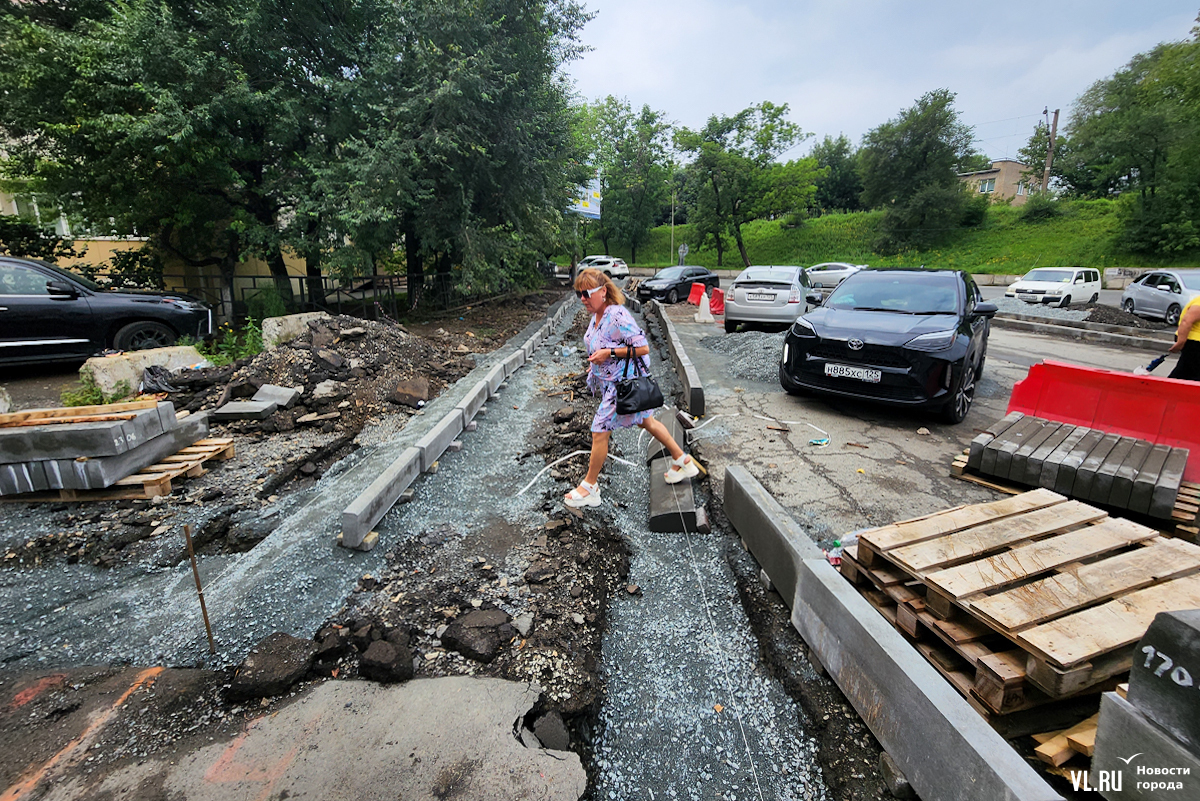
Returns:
(975, 458)
(1132, 752)
(1037, 459)
(1019, 462)
(495, 378)
(1102, 482)
(470, 405)
(945, 749)
(672, 506)
(374, 502)
(997, 455)
(1053, 462)
(104, 471)
(69, 440)
(1068, 469)
(1127, 473)
(1162, 678)
(283, 397)
(1147, 478)
(1162, 504)
(438, 438)
(779, 545)
(1085, 474)
(244, 410)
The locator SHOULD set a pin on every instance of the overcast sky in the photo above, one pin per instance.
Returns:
(846, 67)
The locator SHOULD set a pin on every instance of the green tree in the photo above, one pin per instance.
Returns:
(840, 187)
(735, 163)
(909, 167)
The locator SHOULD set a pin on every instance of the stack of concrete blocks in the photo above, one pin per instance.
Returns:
(1082, 463)
(1148, 745)
(92, 455)
(374, 502)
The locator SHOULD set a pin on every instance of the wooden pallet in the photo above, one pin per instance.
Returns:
(1059, 581)
(75, 414)
(149, 482)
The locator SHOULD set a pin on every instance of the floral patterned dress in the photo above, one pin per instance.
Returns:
(616, 329)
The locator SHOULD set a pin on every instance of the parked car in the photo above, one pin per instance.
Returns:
(50, 314)
(829, 274)
(674, 283)
(909, 337)
(772, 295)
(1161, 294)
(613, 268)
(1057, 285)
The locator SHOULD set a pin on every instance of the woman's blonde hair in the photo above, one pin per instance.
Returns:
(590, 279)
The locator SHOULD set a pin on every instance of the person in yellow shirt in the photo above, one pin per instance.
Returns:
(1187, 343)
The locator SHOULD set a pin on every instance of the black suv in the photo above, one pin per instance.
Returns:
(49, 314)
(909, 337)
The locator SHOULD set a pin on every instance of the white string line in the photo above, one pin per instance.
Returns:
(824, 444)
(563, 459)
(712, 625)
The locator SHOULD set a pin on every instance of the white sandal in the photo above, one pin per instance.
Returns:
(575, 499)
(681, 468)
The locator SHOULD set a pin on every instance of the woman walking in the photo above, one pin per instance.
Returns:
(612, 337)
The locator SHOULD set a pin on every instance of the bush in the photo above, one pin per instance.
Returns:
(266, 302)
(89, 394)
(975, 211)
(1040, 207)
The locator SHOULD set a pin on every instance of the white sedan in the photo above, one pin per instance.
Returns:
(829, 274)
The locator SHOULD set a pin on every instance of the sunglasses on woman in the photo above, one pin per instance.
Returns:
(587, 293)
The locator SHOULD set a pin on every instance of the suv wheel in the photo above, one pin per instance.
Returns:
(672, 296)
(144, 335)
(960, 402)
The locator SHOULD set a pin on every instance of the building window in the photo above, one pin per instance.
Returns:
(1021, 188)
(988, 185)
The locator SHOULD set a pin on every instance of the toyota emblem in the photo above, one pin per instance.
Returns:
(855, 344)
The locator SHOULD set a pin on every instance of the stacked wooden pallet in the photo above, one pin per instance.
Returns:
(1027, 599)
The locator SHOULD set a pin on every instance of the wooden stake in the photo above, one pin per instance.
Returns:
(187, 535)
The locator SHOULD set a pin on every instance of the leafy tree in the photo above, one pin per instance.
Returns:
(27, 239)
(909, 166)
(840, 187)
(734, 168)
(630, 151)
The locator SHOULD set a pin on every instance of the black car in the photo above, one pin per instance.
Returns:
(674, 283)
(910, 337)
(49, 314)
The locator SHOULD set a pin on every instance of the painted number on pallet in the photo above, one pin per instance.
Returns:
(1179, 674)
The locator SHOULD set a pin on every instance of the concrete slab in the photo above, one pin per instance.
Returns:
(1135, 760)
(1102, 483)
(471, 404)
(244, 410)
(278, 330)
(435, 442)
(1127, 473)
(1037, 459)
(284, 397)
(945, 749)
(1162, 685)
(1052, 465)
(112, 372)
(1020, 459)
(424, 739)
(1085, 475)
(997, 454)
(98, 473)
(779, 545)
(373, 502)
(1068, 470)
(71, 440)
(672, 506)
(166, 415)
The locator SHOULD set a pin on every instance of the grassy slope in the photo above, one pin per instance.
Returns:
(1003, 244)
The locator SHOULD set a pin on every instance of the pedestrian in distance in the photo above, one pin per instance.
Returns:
(1187, 342)
(613, 337)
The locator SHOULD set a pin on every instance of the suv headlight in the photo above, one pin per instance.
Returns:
(938, 340)
(802, 328)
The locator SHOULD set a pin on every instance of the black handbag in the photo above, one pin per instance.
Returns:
(638, 393)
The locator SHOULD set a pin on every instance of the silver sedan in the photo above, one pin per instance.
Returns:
(1161, 294)
(766, 295)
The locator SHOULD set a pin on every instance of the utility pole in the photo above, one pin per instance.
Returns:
(1050, 152)
(672, 253)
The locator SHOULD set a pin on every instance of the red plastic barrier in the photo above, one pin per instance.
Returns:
(1162, 410)
(696, 293)
(716, 302)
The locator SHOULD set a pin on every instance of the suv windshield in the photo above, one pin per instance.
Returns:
(903, 292)
(1051, 276)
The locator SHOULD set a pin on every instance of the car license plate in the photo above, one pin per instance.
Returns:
(860, 373)
(760, 296)
(1027, 296)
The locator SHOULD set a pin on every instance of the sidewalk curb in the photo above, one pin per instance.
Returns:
(943, 747)
(693, 389)
(1087, 332)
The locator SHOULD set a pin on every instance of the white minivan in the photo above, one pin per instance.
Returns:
(1058, 285)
